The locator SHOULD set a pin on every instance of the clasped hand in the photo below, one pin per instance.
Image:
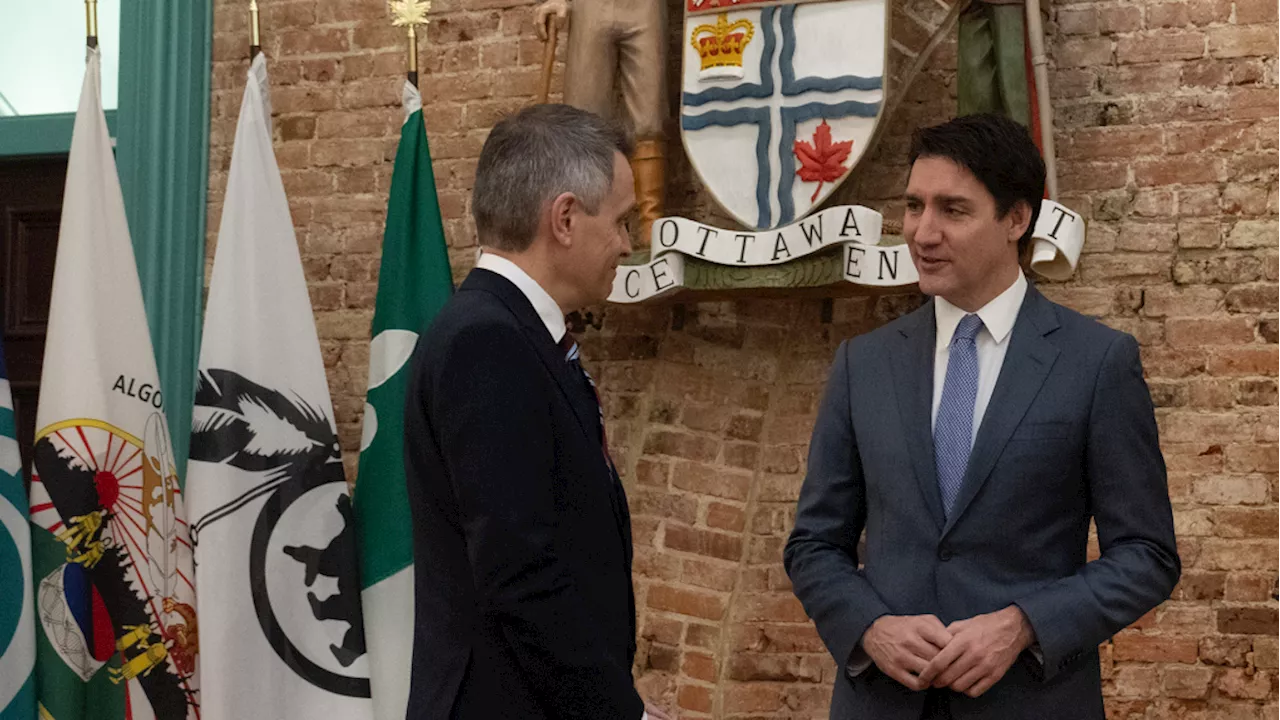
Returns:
(968, 656)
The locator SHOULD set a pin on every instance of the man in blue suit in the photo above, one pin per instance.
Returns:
(973, 441)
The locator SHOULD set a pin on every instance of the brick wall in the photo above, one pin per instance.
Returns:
(1167, 125)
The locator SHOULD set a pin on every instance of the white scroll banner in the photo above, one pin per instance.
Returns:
(1059, 236)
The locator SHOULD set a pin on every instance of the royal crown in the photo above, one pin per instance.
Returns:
(721, 46)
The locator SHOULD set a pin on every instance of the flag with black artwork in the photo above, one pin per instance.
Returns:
(279, 588)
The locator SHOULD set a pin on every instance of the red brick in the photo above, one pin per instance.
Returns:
(1250, 12)
(1077, 21)
(1264, 653)
(699, 478)
(686, 602)
(1247, 620)
(703, 542)
(1237, 554)
(1136, 681)
(1160, 47)
(725, 517)
(1119, 19)
(681, 445)
(1250, 587)
(1123, 142)
(1229, 330)
(1155, 648)
(1200, 585)
(1086, 52)
(1135, 79)
(695, 698)
(663, 630)
(1228, 651)
(747, 667)
(1244, 683)
(1242, 41)
(1244, 103)
(1189, 170)
(699, 666)
(1186, 682)
(1244, 361)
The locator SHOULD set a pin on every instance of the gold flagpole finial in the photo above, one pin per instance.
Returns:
(255, 39)
(410, 14)
(91, 22)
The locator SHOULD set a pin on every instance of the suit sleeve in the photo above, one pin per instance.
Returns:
(1129, 500)
(492, 413)
(821, 556)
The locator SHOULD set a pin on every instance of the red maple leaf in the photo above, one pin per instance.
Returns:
(823, 161)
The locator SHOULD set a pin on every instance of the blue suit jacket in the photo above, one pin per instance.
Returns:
(1069, 436)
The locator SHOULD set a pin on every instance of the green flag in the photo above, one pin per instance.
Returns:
(413, 284)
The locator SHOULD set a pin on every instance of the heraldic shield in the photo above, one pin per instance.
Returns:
(779, 101)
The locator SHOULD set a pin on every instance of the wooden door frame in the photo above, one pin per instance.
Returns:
(161, 129)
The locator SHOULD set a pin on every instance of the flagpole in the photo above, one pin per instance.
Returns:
(410, 14)
(255, 40)
(413, 55)
(91, 22)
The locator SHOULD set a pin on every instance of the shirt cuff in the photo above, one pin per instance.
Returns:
(858, 663)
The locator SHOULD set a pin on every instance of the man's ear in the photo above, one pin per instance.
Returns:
(1019, 220)
(563, 213)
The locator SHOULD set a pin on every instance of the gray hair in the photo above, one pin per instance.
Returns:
(533, 156)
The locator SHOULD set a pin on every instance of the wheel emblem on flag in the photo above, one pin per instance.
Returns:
(302, 554)
(113, 501)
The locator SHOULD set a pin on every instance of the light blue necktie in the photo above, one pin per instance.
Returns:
(953, 429)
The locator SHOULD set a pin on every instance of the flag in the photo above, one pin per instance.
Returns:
(17, 620)
(278, 586)
(415, 281)
(117, 631)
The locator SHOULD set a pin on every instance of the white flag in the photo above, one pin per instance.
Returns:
(111, 547)
(280, 628)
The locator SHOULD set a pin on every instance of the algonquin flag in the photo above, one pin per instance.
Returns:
(114, 599)
(413, 285)
(279, 589)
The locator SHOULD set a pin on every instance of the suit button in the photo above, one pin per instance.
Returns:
(945, 554)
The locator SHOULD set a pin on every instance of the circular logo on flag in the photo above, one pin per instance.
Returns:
(17, 640)
(304, 590)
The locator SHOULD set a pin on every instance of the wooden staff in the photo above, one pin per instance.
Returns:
(548, 59)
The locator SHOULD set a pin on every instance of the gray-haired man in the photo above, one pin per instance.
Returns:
(522, 538)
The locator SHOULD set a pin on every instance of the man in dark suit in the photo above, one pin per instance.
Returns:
(522, 538)
(973, 440)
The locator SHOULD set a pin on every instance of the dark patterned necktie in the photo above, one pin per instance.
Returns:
(570, 348)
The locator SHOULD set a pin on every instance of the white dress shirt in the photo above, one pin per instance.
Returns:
(546, 306)
(997, 317)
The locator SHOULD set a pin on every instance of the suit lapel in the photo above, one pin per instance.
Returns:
(913, 386)
(1026, 365)
(548, 351)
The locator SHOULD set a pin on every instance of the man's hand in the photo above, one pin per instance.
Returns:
(902, 646)
(542, 15)
(653, 712)
(981, 651)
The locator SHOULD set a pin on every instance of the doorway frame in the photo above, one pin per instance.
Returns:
(161, 133)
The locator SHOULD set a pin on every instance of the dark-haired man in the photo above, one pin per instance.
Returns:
(997, 426)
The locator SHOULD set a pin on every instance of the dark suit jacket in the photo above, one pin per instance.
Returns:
(1069, 435)
(522, 542)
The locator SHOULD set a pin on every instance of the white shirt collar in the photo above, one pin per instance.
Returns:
(997, 316)
(550, 313)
